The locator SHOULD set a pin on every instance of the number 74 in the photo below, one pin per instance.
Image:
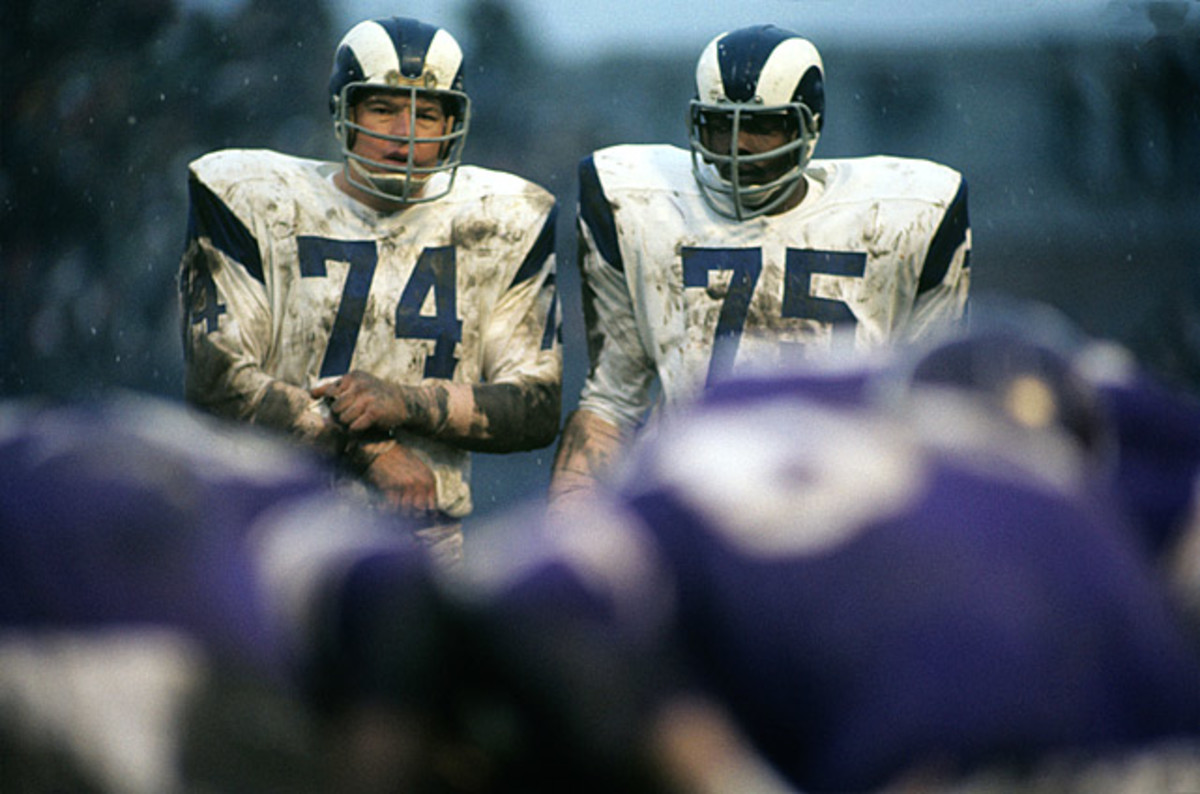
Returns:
(434, 272)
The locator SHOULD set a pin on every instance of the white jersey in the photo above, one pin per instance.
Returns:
(286, 277)
(877, 252)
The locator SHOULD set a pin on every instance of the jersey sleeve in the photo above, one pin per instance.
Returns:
(522, 341)
(618, 386)
(944, 282)
(225, 309)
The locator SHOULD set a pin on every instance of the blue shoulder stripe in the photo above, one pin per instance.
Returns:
(553, 326)
(209, 217)
(543, 246)
(595, 211)
(950, 234)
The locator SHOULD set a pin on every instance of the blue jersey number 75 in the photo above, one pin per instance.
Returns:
(745, 266)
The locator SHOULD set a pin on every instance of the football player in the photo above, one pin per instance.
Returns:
(185, 605)
(398, 308)
(747, 251)
(924, 582)
(177, 606)
(1143, 433)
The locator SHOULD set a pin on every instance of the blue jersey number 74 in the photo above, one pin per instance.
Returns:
(434, 272)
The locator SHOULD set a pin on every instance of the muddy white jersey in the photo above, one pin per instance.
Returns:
(286, 277)
(877, 252)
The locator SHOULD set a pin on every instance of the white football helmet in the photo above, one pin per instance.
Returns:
(743, 75)
(402, 56)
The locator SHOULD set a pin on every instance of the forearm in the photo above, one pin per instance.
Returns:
(281, 407)
(250, 395)
(290, 409)
(587, 451)
(490, 417)
(224, 373)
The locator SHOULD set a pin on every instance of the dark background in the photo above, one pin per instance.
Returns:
(1082, 154)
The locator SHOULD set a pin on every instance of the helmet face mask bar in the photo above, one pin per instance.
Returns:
(725, 177)
(416, 62)
(759, 80)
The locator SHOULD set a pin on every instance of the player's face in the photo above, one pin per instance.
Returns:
(393, 115)
(757, 133)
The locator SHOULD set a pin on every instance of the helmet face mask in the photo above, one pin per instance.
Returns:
(415, 64)
(748, 183)
(766, 85)
(405, 183)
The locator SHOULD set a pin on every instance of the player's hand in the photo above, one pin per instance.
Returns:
(321, 432)
(310, 422)
(363, 402)
(406, 482)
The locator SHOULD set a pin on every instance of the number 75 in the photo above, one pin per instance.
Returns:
(745, 267)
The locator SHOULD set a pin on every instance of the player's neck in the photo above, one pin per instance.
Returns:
(793, 200)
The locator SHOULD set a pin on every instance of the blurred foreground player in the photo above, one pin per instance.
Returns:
(881, 592)
(177, 611)
(896, 591)
(1143, 437)
(185, 606)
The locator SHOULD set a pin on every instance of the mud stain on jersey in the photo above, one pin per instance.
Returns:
(308, 313)
(532, 324)
(596, 338)
(718, 285)
(766, 310)
(195, 276)
(476, 234)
